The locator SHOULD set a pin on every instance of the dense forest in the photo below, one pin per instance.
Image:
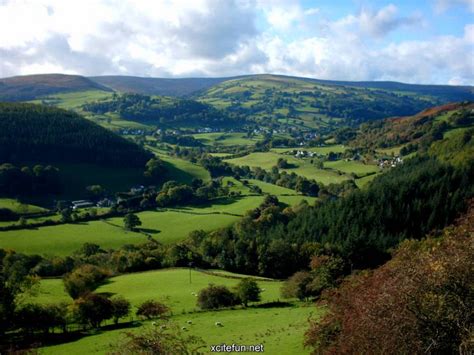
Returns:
(34, 133)
(163, 111)
(421, 195)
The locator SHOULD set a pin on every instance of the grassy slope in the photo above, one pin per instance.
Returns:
(302, 167)
(171, 286)
(279, 329)
(167, 227)
(309, 110)
(18, 207)
(226, 139)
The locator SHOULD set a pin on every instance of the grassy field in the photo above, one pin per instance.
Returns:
(301, 167)
(226, 139)
(19, 207)
(74, 100)
(66, 238)
(171, 286)
(349, 167)
(179, 169)
(337, 148)
(279, 329)
(166, 226)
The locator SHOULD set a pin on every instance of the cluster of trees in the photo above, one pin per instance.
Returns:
(421, 301)
(215, 296)
(166, 111)
(46, 134)
(38, 180)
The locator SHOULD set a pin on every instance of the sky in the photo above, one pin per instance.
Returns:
(412, 41)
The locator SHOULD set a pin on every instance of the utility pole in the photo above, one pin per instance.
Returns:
(190, 266)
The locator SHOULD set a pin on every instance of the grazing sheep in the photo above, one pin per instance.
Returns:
(218, 324)
(183, 328)
(263, 289)
(153, 323)
(189, 322)
(163, 326)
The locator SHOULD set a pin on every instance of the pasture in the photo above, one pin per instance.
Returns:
(301, 167)
(279, 329)
(166, 226)
(226, 139)
(170, 286)
(19, 207)
(351, 166)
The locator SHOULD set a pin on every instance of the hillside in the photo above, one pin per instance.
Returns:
(293, 102)
(162, 111)
(28, 87)
(156, 86)
(36, 133)
(417, 129)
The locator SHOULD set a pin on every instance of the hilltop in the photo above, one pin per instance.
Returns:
(157, 86)
(28, 87)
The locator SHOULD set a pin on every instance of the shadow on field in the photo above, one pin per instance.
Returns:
(149, 230)
(276, 304)
(43, 340)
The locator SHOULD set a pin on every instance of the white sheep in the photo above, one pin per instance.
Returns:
(183, 328)
(163, 326)
(153, 324)
(189, 322)
(218, 324)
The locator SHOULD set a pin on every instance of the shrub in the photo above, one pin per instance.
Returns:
(84, 279)
(153, 309)
(92, 309)
(247, 291)
(213, 297)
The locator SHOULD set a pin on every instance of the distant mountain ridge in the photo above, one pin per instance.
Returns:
(22, 88)
(28, 87)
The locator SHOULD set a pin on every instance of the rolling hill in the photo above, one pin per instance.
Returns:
(419, 129)
(304, 103)
(28, 87)
(157, 86)
(37, 133)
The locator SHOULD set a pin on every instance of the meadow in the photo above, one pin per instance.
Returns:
(279, 329)
(226, 139)
(301, 167)
(166, 226)
(19, 207)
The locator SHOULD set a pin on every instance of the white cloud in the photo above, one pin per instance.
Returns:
(378, 23)
(221, 38)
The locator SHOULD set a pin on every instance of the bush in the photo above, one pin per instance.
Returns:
(92, 309)
(84, 279)
(247, 291)
(120, 308)
(153, 309)
(213, 297)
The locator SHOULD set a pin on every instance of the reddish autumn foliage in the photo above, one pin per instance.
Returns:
(422, 301)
